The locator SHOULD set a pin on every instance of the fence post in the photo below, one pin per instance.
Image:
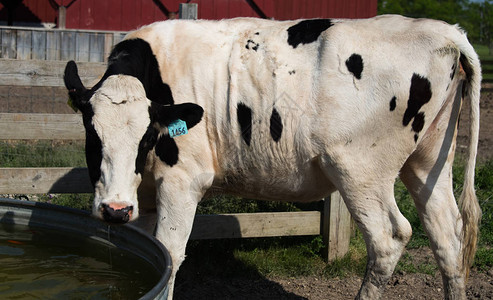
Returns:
(62, 17)
(188, 11)
(336, 227)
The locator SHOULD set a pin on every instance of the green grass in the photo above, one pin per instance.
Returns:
(484, 54)
(42, 154)
(407, 264)
(483, 51)
(286, 256)
(47, 154)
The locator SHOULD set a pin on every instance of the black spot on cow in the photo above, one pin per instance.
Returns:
(94, 147)
(355, 65)
(419, 122)
(135, 58)
(292, 72)
(244, 114)
(393, 103)
(252, 45)
(419, 94)
(147, 142)
(307, 31)
(167, 150)
(275, 125)
(257, 33)
(452, 73)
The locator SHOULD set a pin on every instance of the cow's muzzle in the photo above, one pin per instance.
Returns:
(116, 214)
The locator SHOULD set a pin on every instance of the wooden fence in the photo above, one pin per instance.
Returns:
(333, 222)
(55, 44)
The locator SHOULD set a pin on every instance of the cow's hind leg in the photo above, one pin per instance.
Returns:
(385, 230)
(439, 214)
(427, 175)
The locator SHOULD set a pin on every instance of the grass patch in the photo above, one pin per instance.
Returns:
(78, 201)
(408, 209)
(483, 260)
(484, 54)
(483, 51)
(42, 154)
(407, 264)
(354, 262)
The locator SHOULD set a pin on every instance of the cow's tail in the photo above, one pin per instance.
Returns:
(468, 203)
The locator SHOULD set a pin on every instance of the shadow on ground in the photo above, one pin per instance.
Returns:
(211, 271)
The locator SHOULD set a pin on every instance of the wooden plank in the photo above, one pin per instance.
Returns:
(118, 37)
(96, 42)
(108, 45)
(62, 17)
(82, 50)
(45, 73)
(24, 39)
(44, 180)
(9, 38)
(67, 51)
(256, 225)
(38, 45)
(336, 227)
(41, 126)
(188, 11)
(53, 45)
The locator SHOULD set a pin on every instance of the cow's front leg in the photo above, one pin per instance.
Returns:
(176, 205)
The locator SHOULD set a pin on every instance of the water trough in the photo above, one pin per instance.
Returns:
(68, 223)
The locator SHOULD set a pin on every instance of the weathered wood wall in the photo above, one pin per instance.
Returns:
(56, 44)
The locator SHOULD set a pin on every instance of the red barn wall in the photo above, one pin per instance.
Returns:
(129, 14)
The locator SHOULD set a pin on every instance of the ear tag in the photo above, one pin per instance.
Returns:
(177, 128)
(71, 104)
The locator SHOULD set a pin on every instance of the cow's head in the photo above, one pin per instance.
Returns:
(122, 126)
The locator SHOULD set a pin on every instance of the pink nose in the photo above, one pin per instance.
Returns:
(115, 213)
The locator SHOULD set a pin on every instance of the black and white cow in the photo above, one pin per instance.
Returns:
(291, 110)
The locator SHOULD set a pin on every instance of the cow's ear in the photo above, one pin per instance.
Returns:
(76, 89)
(165, 114)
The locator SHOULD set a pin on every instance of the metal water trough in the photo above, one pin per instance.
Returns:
(78, 222)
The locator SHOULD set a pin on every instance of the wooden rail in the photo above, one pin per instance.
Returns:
(41, 127)
(15, 72)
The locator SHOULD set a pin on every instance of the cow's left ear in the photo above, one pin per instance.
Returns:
(165, 114)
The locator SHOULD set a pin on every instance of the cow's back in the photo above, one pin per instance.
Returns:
(279, 95)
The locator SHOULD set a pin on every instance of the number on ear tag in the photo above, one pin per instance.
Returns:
(177, 128)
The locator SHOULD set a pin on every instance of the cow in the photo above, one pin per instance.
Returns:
(290, 111)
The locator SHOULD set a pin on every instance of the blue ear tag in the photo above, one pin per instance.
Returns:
(177, 128)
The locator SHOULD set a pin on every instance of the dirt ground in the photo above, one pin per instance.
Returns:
(400, 286)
